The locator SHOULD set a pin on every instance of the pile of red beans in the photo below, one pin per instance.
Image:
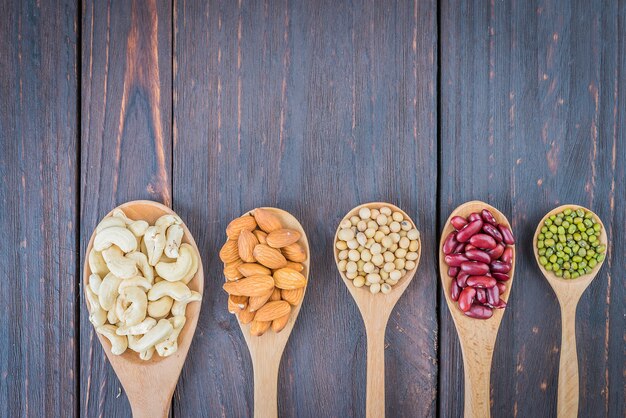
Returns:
(479, 258)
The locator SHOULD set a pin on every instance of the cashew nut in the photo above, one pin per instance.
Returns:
(97, 315)
(176, 271)
(122, 267)
(94, 283)
(174, 236)
(138, 228)
(139, 329)
(118, 343)
(194, 265)
(108, 291)
(112, 317)
(160, 308)
(136, 281)
(157, 334)
(166, 221)
(141, 259)
(138, 308)
(170, 345)
(175, 290)
(121, 304)
(97, 264)
(154, 240)
(109, 222)
(147, 354)
(179, 307)
(115, 235)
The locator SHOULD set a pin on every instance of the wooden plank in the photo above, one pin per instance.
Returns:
(313, 107)
(126, 144)
(530, 120)
(38, 201)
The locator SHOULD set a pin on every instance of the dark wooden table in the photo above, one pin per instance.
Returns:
(314, 107)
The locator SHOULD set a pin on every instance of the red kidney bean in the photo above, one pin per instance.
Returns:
(478, 255)
(450, 243)
(500, 267)
(493, 295)
(453, 271)
(479, 312)
(466, 298)
(507, 255)
(501, 277)
(501, 287)
(455, 291)
(500, 305)
(481, 295)
(507, 235)
(458, 222)
(493, 231)
(496, 252)
(455, 260)
(488, 217)
(469, 247)
(483, 241)
(475, 268)
(473, 217)
(481, 281)
(461, 279)
(469, 230)
(460, 248)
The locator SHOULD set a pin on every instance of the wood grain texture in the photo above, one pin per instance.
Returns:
(530, 119)
(38, 208)
(312, 107)
(125, 147)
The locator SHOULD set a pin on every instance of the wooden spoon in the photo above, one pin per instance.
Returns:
(149, 385)
(568, 292)
(375, 310)
(267, 350)
(477, 336)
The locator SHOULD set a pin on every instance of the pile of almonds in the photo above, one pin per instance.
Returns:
(263, 269)
(376, 248)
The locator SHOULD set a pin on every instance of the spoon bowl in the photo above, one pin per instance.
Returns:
(375, 310)
(568, 293)
(150, 384)
(477, 336)
(267, 349)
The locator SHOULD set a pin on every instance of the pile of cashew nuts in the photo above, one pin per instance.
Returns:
(137, 290)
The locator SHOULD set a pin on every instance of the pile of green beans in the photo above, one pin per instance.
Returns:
(569, 243)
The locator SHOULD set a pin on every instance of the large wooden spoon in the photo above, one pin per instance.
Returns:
(477, 336)
(267, 350)
(375, 310)
(149, 385)
(568, 292)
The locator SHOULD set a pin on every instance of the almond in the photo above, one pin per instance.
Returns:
(229, 252)
(294, 266)
(245, 316)
(237, 303)
(250, 286)
(234, 228)
(253, 269)
(246, 243)
(279, 323)
(275, 294)
(269, 257)
(294, 297)
(282, 238)
(256, 302)
(294, 252)
(230, 270)
(258, 328)
(266, 220)
(288, 279)
(260, 235)
(273, 310)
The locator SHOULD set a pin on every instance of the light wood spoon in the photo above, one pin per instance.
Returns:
(375, 310)
(477, 336)
(267, 350)
(568, 292)
(149, 385)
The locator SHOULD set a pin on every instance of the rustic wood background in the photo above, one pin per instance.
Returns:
(218, 107)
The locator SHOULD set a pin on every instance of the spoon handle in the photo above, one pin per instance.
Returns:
(266, 387)
(477, 364)
(375, 392)
(567, 405)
